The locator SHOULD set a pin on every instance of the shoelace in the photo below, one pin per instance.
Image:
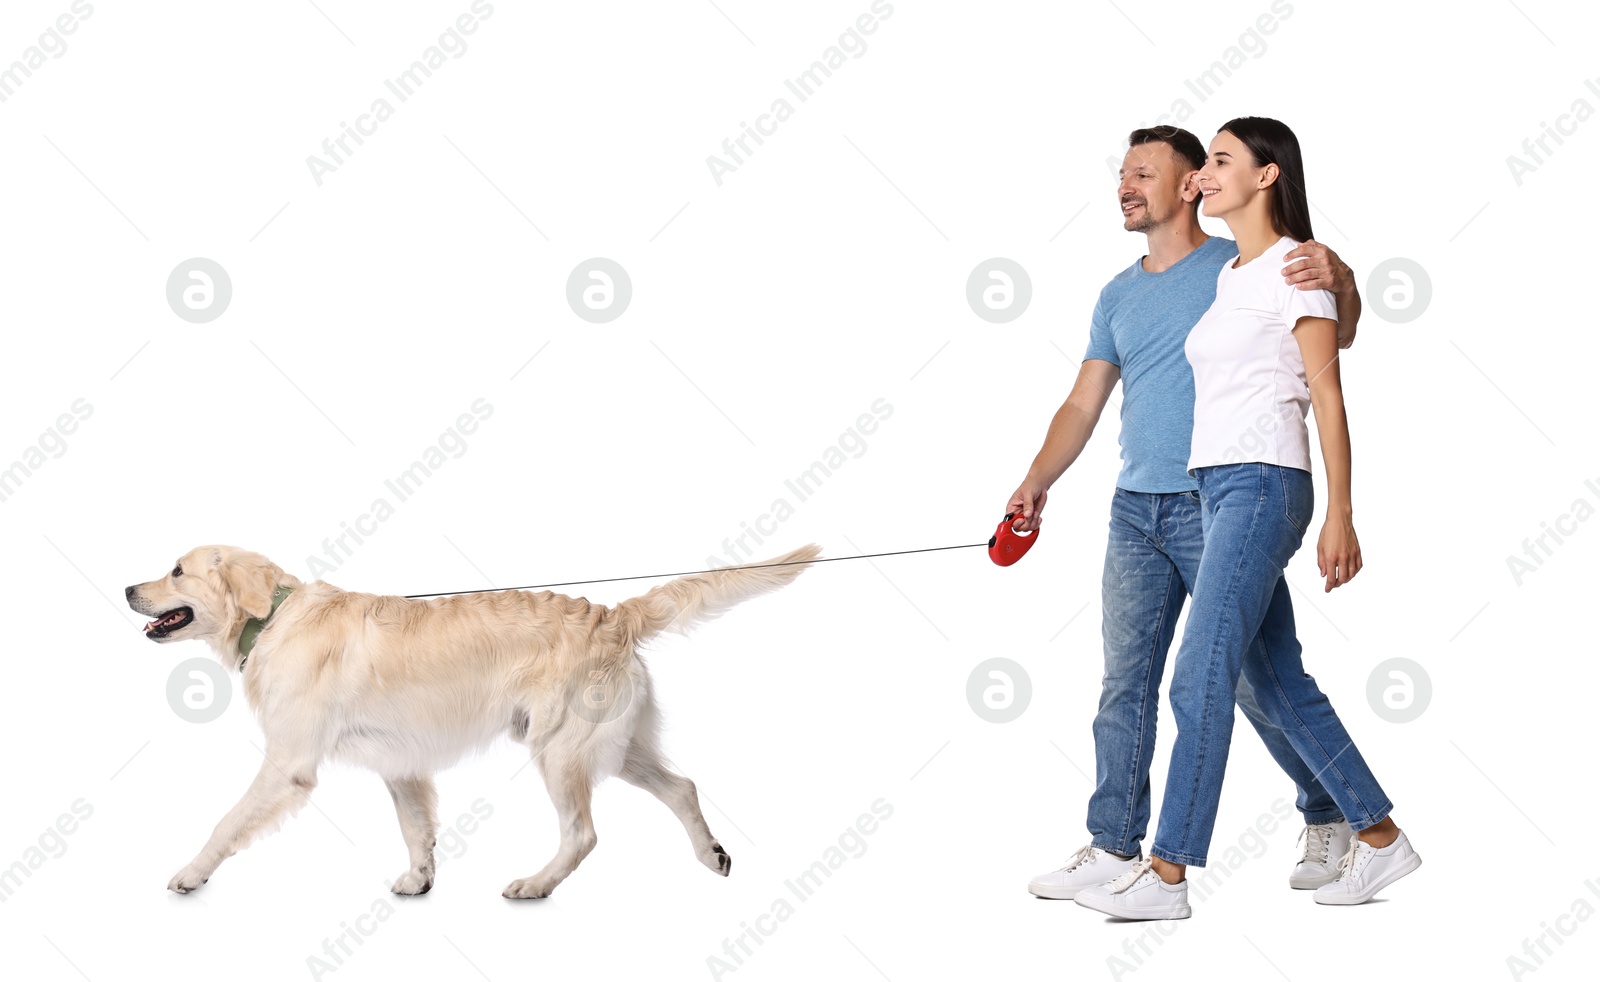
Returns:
(1131, 877)
(1317, 839)
(1080, 857)
(1347, 862)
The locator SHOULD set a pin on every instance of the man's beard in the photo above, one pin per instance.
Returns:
(1145, 222)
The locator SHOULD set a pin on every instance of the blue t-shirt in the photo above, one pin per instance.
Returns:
(1140, 324)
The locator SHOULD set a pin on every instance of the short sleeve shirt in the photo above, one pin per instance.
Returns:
(1250, 388)
(1139, 324)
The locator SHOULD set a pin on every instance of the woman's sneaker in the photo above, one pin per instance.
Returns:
(1319, 862)
(1089, 866)
(1365, 869)
(1138, 895)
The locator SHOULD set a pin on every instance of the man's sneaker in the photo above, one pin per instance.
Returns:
(1138, 895)
(1319, 863)
(1089, 866)
(1365, 869)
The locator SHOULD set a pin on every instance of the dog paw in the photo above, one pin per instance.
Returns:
(717, 860)
(188, 879)
(527, 888)
(413, 882)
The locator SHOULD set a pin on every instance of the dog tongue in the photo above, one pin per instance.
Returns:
(167, 619)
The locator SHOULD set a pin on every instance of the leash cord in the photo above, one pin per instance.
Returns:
(720, 569)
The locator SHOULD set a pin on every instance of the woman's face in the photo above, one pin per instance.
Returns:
(1230, 179)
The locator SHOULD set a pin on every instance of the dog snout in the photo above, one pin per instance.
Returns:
(129, 593)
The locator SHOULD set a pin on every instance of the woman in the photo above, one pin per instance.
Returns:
(1250, 454)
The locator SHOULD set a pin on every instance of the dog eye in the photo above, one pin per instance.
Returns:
(177, 571)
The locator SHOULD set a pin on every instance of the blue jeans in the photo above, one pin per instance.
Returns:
(1241, 624)
(1152, 561)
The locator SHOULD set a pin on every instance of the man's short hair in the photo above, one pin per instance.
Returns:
(1182, 142)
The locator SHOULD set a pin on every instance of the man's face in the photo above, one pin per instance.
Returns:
(1154, 185)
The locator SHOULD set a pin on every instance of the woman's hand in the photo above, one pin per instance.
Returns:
(1338, 552)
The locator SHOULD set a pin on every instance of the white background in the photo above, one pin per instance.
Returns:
(768, 313)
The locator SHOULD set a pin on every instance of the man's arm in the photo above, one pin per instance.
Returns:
(1069, 433)
(1313, 266)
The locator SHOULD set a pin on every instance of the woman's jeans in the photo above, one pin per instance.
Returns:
(1152, 560)
(1241, 623)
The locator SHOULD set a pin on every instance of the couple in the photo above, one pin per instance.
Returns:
(1220, 348)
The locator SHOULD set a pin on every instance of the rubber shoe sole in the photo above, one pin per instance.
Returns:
(1053, 893)
(1312, 882)
(1106, 905)
(1371, 891)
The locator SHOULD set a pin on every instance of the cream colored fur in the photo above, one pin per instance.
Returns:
(408, 687)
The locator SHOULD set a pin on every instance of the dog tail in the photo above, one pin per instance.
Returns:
(688, 601)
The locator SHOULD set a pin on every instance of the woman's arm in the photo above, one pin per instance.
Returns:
(1338, 551)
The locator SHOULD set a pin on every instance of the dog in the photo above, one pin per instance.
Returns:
(408, 687)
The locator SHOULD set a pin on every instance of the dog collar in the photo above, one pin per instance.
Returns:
(254, 626)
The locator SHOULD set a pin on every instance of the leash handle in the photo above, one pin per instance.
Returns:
(1007, 545)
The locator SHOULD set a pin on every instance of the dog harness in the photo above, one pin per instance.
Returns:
(254, 626)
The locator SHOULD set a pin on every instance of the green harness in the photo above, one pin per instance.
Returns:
(254, 626)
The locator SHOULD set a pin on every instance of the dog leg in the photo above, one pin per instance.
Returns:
(416, 801)
(281, 787)
(644, 768)
(570, 791)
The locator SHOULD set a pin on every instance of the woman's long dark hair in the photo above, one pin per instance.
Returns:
(1271, 142)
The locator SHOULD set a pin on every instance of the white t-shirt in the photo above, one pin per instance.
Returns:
(1250, 390)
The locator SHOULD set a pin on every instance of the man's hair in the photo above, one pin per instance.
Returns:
(1184, 144)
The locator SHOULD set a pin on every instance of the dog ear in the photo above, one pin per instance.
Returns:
(252, 584)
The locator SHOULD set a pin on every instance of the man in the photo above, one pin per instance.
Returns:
(1137, 335)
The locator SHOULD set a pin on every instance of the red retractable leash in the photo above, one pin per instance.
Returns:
(1007, 545)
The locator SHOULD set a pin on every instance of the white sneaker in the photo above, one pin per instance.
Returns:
(1364, 870)
(1089, 866)
(1138, 895)
(1319, 862)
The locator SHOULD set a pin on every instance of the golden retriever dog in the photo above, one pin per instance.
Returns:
(408, 687)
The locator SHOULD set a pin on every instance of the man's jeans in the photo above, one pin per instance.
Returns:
(1152, 562)
(1241, 625)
